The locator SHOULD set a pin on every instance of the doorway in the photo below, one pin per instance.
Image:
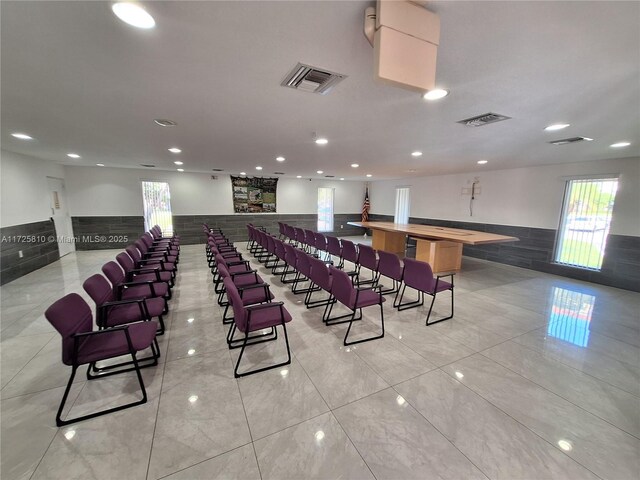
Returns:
(60, 215)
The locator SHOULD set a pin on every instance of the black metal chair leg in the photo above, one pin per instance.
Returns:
(368, 339)
(427, 323)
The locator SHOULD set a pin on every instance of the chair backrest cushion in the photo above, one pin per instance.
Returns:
(389, 265)
(114, 273)
(418, 275)
(98, 289)
(69, 315)
(341, 287)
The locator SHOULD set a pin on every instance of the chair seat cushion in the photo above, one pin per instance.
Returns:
(266, 317)
(114, 344)
(248, 279)
(366, 298)
(130, 312)
(442, 286)
(161, 289)
(238, 268)
(160, 255)
(255, 295)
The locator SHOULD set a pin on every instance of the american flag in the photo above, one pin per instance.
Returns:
(365, 206)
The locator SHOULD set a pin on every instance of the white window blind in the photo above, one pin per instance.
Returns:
(325, 209)
(402, 205)
(156, 200)
(584, 224)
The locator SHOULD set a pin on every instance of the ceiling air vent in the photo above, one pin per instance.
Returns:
(567, 141)
(312, 79)
(329, 176)
(217, 170)
(278, 173)
(484, 119)
(148, 165)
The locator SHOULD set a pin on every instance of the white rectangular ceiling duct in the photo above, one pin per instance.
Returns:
(406, 45)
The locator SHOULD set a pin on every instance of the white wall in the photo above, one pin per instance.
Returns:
(24, 192)
(102, 191)
(529, 197)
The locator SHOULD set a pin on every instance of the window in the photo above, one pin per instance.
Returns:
(584, 226)
(325, 209)
(402, 205)
(156, 201)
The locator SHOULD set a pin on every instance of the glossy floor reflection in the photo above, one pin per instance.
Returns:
(535, 377)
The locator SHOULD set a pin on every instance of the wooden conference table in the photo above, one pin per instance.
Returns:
(440, 246)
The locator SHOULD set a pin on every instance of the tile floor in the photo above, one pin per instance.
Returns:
(536, 377)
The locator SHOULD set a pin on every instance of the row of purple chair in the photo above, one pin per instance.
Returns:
(298, 267)
(136, 293)
(241, 290)
(410, 273)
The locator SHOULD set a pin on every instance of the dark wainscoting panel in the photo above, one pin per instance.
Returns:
(189, 227)
(621, 267)
(38, 245)
(100, 233)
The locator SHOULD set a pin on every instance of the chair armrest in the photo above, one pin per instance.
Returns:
(137, 284)
(77, 336)
(242, 262)
(142, 305)
(252, 287)
(147, 270)
(263, 306)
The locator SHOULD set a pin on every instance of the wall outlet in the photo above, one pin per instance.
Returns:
(20, 254)
(466, 191)
(341, 226)
(478, 190)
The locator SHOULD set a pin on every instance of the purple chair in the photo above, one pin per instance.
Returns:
(233, 266)
(281, 231)
(349, 254)
(303, 267)
(136, 256)
(111, 312)
(321, 245)
(321, 278)
(71, 317)
(389, 266)
(142, 274)
(250, 293)
(147, 238)
(240, 279)
(334, 248)
(155, 255)
(309, 241)
(355, 299)
(279, 264)
(290, 259)
(248, 319)
(124, 290)
(367, 258)
(419, 276)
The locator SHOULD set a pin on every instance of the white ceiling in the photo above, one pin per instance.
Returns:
(79, 80)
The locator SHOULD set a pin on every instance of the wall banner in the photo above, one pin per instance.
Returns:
(254, 194)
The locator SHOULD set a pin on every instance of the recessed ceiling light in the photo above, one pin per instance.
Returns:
(22, 136)
(181, 169)
(620, 144)
(298, 176)
(133, 14)
(322, 141)
(73, 155)
(556, 126)
(482, 162)
(354, 165)
(243, 173)
(175, 150)
(163, 122)
(178, 162)
(193, 398)
(319, 172)
(341, 178)
(369, 175)
(258, 168)
(435, 94)
(99, 164)
(416, 154)
(280, 159)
